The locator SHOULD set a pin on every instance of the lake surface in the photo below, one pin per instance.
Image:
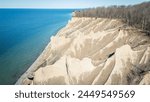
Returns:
(24, 33)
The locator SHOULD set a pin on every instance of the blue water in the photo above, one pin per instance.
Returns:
(24, 33)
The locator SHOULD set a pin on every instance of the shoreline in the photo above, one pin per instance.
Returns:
(33, 67)
(39, 61)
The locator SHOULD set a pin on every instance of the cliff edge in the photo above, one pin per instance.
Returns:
(93, 51)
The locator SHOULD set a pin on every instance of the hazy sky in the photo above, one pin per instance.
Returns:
(63, 3)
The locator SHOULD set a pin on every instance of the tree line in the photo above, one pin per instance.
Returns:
(134, 15)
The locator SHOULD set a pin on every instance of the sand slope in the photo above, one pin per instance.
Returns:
(93, 51)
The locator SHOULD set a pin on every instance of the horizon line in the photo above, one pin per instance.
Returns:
(42, 8)
(70, 8)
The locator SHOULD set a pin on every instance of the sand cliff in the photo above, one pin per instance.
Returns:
(93, 51)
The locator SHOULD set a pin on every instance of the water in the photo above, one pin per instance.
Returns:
(24, 33)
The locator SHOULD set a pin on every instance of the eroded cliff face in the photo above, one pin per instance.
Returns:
(93, 51)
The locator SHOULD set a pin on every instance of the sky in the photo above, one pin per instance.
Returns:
(64, 3)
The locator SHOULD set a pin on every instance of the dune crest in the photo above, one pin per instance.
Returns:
(93, 51)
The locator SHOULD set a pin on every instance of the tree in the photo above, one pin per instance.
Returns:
(134, 15)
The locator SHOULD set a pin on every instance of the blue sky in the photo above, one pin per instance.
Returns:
(64, 3)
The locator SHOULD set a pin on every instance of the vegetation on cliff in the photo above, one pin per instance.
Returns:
(134, 15)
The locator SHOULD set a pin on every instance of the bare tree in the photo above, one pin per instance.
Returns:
(134, 15)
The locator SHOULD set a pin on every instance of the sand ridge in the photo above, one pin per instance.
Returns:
(93, 51)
